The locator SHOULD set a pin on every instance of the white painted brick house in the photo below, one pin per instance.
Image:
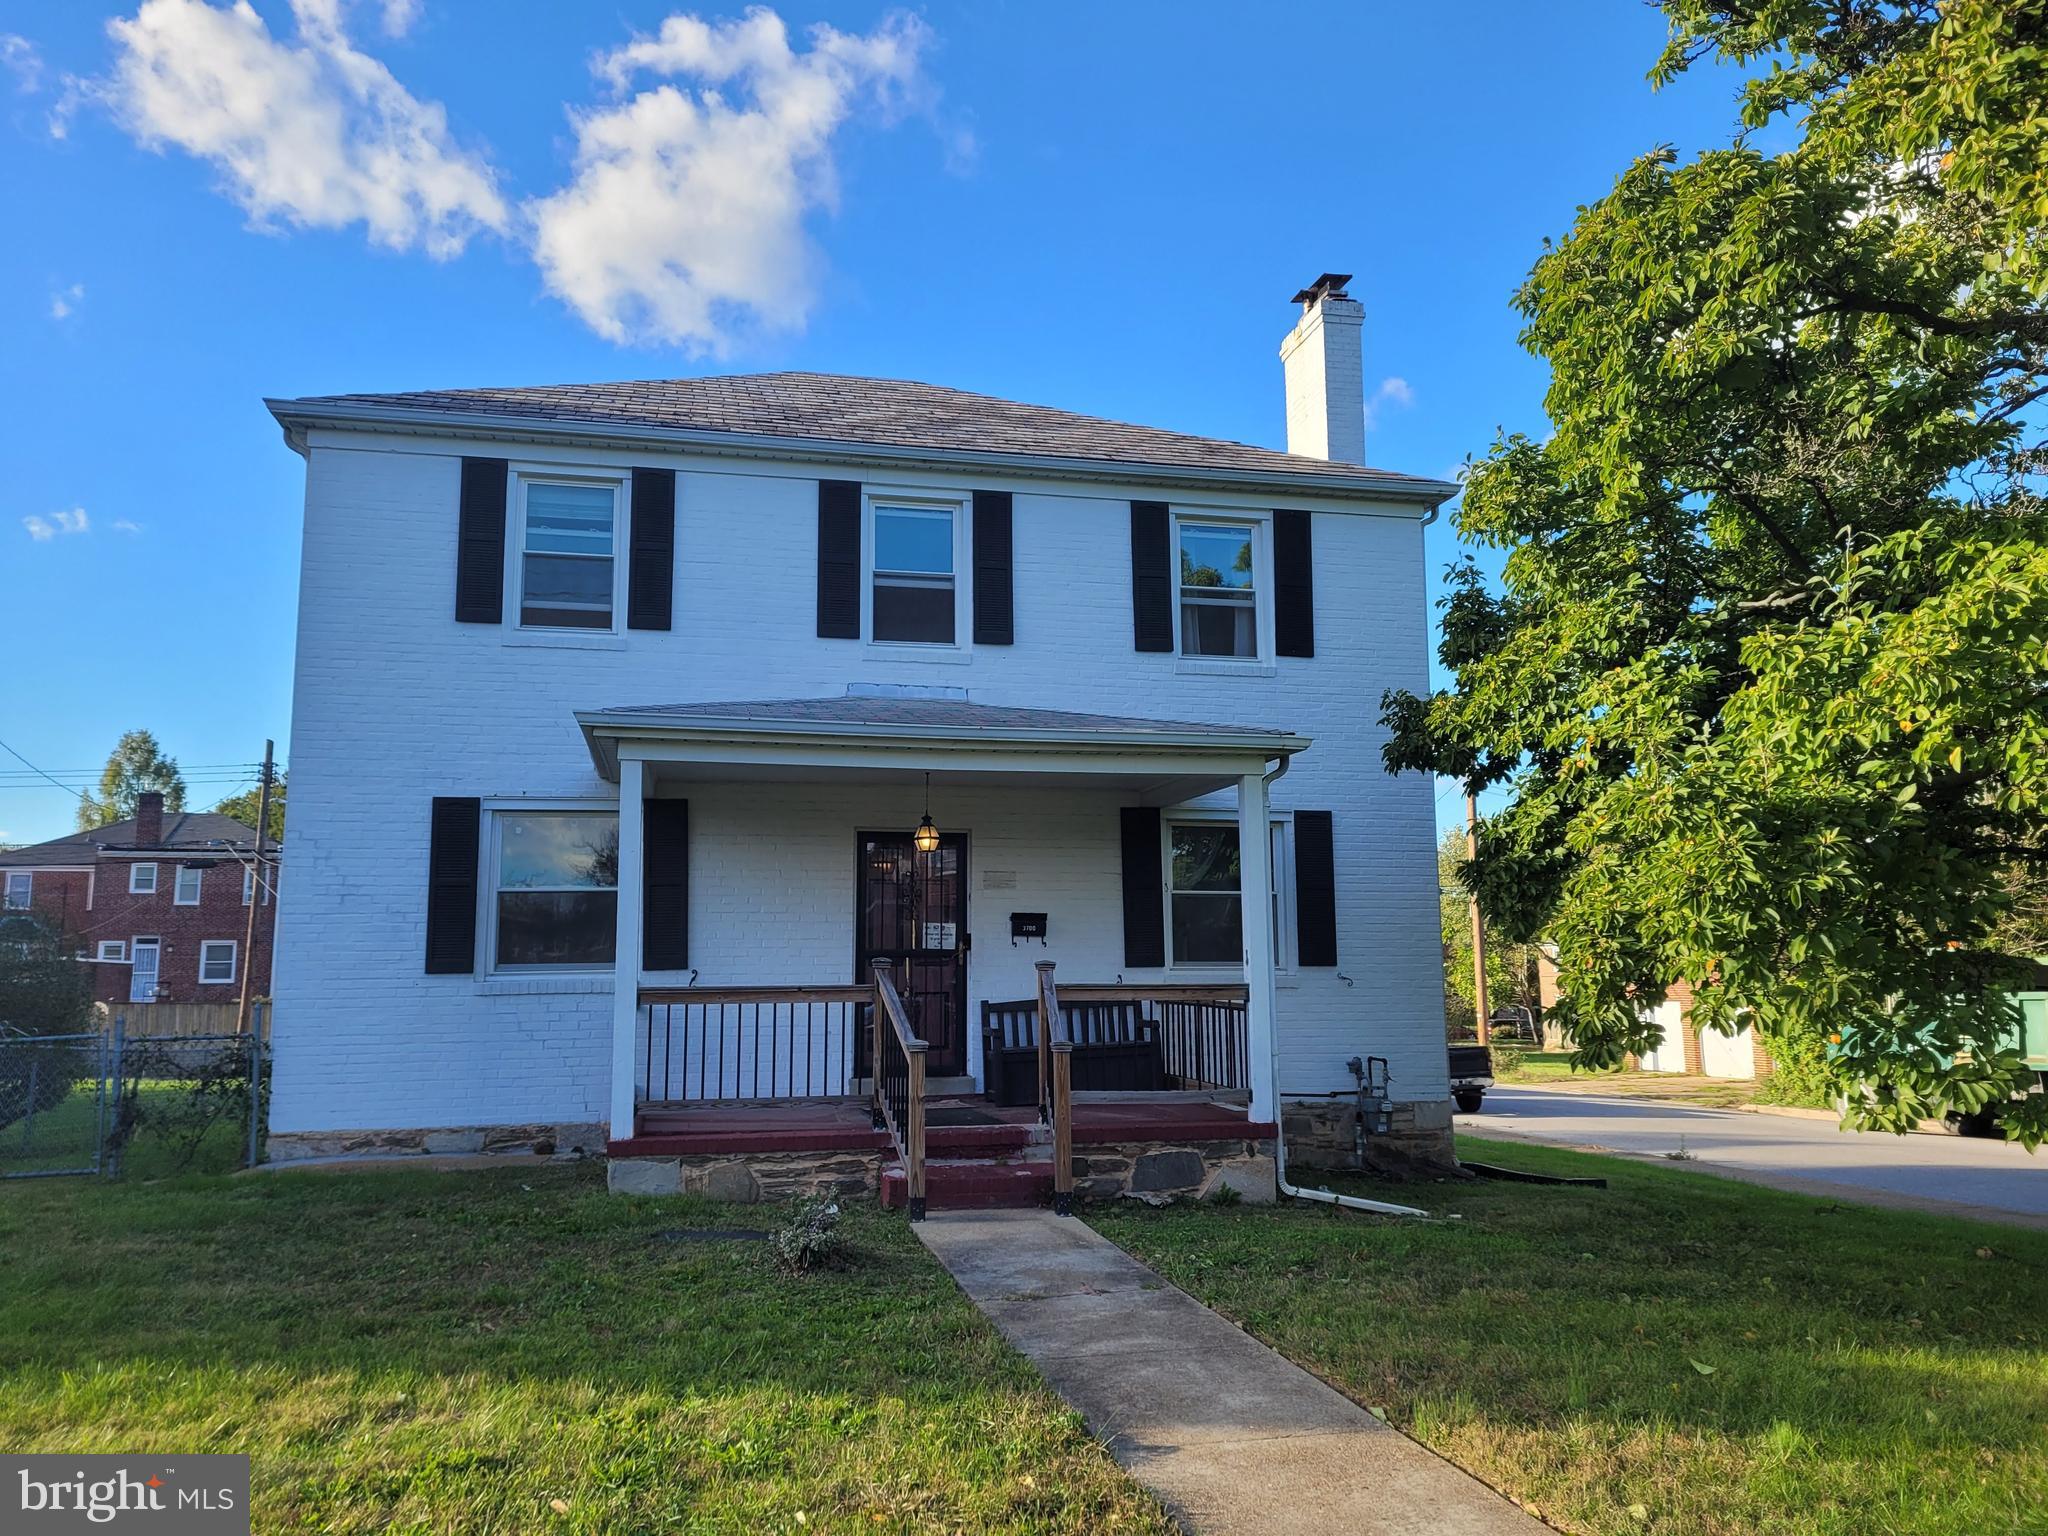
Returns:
(658, 678)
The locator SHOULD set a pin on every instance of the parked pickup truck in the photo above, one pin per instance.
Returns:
(1471, 1075)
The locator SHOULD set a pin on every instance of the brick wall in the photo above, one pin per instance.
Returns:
(91, 907)
(396, 703)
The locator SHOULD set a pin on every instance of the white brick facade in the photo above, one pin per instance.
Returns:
(397, 703)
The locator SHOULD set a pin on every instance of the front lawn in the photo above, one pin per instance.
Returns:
(1553, 1069)
(1676, 1353)
(518, 1351)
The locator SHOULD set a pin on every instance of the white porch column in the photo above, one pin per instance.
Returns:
(1255, 884)
(626, 965)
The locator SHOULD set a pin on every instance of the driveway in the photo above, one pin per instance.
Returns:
(1992, 1180)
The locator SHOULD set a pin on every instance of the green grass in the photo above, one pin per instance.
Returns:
(61, 1138)
(1858, 1371)
(422, 1352)
(1553, 1069)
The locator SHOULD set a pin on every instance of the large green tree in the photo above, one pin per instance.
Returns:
(244, 807)
(1511, 978)
(1766, 673)
(136, 764)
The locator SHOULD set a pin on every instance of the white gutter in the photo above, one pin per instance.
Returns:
(1324, 1196)
(296, 417)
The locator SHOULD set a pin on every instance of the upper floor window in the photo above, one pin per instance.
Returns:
(187, 891)
(141, 879)
(555, 892)
(914, 597)
(1219, 589)
(20, 885)
(567, 551)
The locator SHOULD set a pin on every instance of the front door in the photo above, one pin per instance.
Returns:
(913, 910)
(142, 957)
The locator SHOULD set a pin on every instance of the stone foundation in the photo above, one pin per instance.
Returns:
(749, 1178)
(1162, 1171)
(539, 1140)
(1323, 1133)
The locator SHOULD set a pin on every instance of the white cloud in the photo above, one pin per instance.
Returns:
(65, 301)
(1392, 391)
(310, 133)
(399, 15)
(44, 529)
(686, 211)
(19, 58)
(124, 525)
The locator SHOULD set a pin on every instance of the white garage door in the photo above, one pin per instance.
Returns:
(1670, 1056)
(1727, 1055)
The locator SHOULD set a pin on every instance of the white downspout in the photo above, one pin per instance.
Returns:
(1349, 1202)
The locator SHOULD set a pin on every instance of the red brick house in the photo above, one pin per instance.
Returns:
(158, 905)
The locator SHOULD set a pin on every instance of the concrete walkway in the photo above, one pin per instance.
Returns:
(1230, 1436)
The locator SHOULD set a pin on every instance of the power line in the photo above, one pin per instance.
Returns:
(34, 769)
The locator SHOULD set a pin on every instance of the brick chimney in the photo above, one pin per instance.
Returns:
(1324, 359)
(149, 818)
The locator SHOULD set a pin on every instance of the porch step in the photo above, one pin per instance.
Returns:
(972, 1186)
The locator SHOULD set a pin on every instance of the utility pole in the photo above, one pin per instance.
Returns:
(259, 887)
(1481, 1017)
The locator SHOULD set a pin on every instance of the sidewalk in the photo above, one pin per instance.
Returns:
(1229, 1435)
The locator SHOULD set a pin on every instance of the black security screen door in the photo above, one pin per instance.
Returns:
(913, 910)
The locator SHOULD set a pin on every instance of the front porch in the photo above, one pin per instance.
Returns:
(927, 1075)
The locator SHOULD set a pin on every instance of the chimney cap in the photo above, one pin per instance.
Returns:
(1329, 286)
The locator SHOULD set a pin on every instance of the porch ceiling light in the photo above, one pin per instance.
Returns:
(926, 837)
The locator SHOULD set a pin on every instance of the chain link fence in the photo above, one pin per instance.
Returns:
(140, 1106)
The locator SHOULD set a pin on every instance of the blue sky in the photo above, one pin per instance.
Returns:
(1097, 207)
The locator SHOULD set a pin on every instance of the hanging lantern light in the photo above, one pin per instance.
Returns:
(926, 837)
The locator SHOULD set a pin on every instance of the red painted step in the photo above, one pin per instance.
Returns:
(950, 1186)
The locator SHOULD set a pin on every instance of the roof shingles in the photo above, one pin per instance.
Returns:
(893, 413)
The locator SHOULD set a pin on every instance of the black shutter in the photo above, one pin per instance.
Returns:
(839, 559)
(480, 543)
(651, 559)
(1294, 585)
(1315, 888)
(1151, 577)
(665, 886)
(453, 834)
(994, 601)
(1144, 906)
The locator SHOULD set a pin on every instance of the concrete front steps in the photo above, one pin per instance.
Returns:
(960, 1184)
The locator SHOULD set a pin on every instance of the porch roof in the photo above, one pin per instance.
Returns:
(886, 733)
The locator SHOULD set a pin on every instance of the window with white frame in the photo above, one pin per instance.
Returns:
(554, 889)
(20, 888)
(248, 884)
(187, 891)
(113, 951)
(568, 554)
(913, 588)
(1205, 904)
(1219, 588)
(141, 879)
(216, 961)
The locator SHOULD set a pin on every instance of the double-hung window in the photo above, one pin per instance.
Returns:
(555, 889)
(20, 886)
(914, 597)
(568, 554)
(1205, 898)
(216, 961)
(141, 879)
(186, 893)
(1219, 589)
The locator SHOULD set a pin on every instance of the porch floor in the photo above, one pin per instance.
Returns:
(955, 1125)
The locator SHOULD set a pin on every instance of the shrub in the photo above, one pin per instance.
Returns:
(1508, 1060)
(1799, 1075)
(810, 1239)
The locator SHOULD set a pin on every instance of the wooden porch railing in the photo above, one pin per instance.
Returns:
(751, 1043)
(1202, 1033)
(1056, 1087)
(899, 1077)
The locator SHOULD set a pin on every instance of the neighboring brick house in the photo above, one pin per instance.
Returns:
(158, 905)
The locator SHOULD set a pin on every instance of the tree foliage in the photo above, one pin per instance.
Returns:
(1767, 671)
(136, 765)
(1510, 968)
(245, 807)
